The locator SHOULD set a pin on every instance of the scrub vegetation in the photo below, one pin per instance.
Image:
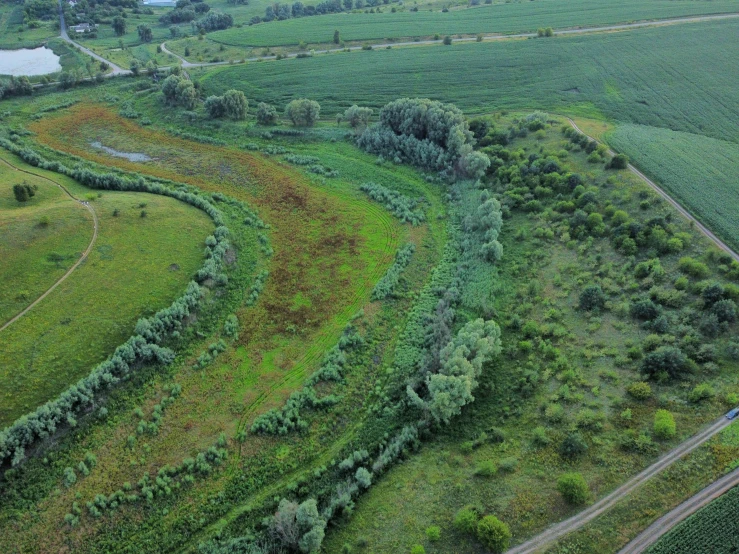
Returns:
(378, 300)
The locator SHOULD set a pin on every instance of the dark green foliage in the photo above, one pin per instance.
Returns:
(145, 34)
(619, 161)
(15, 86)
(592, 298)
(574, 488)
(493, 534)
(725, 311)
(233, 105)
(666, 362)
(573, 446)
(404, 208)
(427, 134)
(303, 112)
(645, 310)
(466, 519)
(386, 285)
(298, 527)
(266, 114)
(214, 21)
(179, 90)
(24, 192)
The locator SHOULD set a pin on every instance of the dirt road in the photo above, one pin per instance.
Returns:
(77, 263)
(577, 521)
(660, 527)
(702, 228)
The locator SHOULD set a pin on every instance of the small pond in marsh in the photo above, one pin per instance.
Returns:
(130, 156)
(29, 62)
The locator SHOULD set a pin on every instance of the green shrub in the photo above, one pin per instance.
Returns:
(592, 298)
(466, 519)
(693, 267)
(433, 533)
(493, 534)
(508, 465)
(700, 393)
(573, 488)
(573, 446)
(486, 468)
(664, 425)
(418, 549)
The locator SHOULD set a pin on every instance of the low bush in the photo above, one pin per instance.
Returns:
(574, 488)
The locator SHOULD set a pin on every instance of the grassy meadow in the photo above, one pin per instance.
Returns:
(40, 240)
(138, 265)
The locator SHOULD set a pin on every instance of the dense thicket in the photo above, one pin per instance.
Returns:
(386, 285)
(427, 134)
(233, 105)
(404, 208)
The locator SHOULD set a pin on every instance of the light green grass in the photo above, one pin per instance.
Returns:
(500, 18)
(699, 172)
(130, 273)
(34, 255)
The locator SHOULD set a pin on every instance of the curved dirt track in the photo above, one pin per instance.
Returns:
(77, 263)
(702, 228)
(578, 520)
(663, 525)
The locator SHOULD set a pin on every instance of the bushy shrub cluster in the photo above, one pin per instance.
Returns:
(303, 112)
(167, 480)
(233, 105)
(266, 114)
(299, 159)
(289, 418)
(15, 86)
(214, 21)
(404, 208)
(256, 288)
(179, 90)
(386, 285)
(321, 170)
(427, 134)
(152, 427)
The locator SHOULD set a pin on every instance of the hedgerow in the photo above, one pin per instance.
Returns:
(386, 285)
(146, 345)
(404, 208)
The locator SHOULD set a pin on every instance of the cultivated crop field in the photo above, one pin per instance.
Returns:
(603, 75)
(504, 18)
(699, 171)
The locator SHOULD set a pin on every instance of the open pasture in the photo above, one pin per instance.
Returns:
(503, 18)
(139, 264)
(39, 239)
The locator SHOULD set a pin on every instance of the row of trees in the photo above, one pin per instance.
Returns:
(281, 12)
(15, 86)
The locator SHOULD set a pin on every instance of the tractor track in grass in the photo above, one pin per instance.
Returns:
(82, 258)
(321, 346)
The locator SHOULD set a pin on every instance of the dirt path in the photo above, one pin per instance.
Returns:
(575, 522)
(702, 228)
(77, 263)
(490, 37)
(660, 527)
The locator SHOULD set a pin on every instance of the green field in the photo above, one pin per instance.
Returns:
(712, 529)
(671, 77)
(699, 172)
(36, 255)
(138, 265)
(499, 18)
(13, 32)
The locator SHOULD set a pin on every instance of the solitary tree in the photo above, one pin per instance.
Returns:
(235, 104)
(266, 114)
(447, 40)
(119, 26)
(24, 192)
(494, 534)
(337, 37)
(144, 33)
(573, 488)
(303, 112)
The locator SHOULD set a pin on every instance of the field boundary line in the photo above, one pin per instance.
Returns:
(674, 203)
(82, 258)
(664, 524)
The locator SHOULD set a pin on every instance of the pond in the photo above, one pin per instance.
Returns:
(39, 61)
(130, 156)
